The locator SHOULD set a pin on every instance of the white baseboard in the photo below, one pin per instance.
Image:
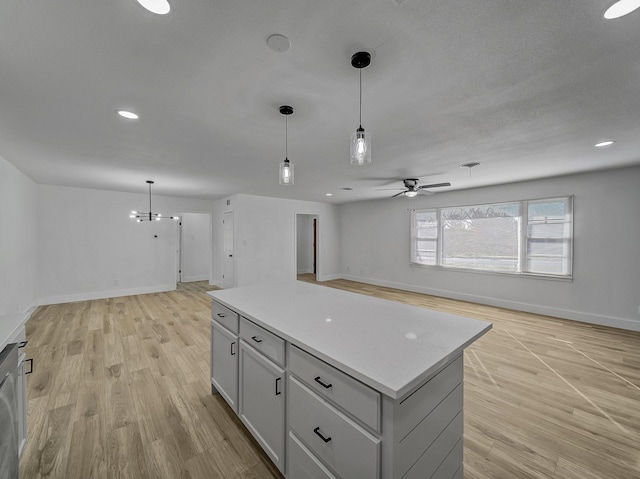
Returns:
(329, 277)
(191, 279)
(70, 298)
(584, 317)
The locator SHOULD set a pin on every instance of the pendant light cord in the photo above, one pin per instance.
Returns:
(286, 137)
(360, 97)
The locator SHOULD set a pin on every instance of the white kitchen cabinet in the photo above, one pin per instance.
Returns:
(261, 407)
(21, 388)
(373, 390)
(224, 363)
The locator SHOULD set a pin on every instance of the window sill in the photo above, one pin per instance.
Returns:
(564, 279)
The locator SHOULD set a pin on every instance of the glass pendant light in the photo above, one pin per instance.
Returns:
(286, 167)
(360, 145)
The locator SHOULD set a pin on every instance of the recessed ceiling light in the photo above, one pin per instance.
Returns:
(160, 7)
(621, 8)
(328, 194)
(604, 144)
(129, 115)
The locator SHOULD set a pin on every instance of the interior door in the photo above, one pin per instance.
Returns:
(228, 279)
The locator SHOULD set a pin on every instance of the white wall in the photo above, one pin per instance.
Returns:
(196, 246)
(18, 247)
(264, 238)
(89, 247)
(375, 239)
(304, 244)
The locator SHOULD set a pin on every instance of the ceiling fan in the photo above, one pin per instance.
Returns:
(411, 188)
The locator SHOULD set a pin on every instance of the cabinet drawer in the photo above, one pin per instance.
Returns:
(224, 316)
(267, 343)
(338, 441)
(357, 399)
(303, 464)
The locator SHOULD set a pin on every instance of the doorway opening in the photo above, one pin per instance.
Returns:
(307, 247)
(193, 253)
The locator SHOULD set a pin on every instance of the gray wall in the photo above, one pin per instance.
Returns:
(265, 238)
(18, 247)
(89, 247)
(375, 241)
(53, 247)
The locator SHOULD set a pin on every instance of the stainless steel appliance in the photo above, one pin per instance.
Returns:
(9, 412)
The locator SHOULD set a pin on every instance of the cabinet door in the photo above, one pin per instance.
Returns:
(262, 401)
(224, 364)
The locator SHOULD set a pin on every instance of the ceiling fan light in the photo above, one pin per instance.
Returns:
(621, 8)
(411, 193)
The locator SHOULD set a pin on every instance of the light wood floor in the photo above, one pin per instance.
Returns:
(121, 390)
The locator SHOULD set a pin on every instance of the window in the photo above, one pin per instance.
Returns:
(530, 237)
(549, 237)
(425, 236)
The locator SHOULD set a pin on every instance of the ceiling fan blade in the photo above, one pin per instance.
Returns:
(390, 189)
(426, 193)
(398, 194)
(435, 185)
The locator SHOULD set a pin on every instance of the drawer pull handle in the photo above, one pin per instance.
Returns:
(256, 339)
(278, 392)
(220, 315)
(233, 353)
(319, 434)
(321, 383)
(30, 361)
(22, 344)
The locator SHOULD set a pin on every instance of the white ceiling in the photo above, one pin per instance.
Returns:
(524, 87)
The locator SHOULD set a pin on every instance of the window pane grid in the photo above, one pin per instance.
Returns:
(518, 237)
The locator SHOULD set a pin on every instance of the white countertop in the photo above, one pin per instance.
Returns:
(390, 346)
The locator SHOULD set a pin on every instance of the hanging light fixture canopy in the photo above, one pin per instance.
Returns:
(150, 216)
(286, 167)
(360, 145)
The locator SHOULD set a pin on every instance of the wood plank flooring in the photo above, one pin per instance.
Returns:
(121, 390)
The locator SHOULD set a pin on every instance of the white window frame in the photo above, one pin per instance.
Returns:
(523, 239)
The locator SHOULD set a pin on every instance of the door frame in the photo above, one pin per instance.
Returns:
(179, 247)
(315, 240)
(233, 240)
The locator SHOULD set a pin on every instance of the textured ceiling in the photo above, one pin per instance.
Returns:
(526, 88)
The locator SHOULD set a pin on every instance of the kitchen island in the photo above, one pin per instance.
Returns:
(335, 384)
